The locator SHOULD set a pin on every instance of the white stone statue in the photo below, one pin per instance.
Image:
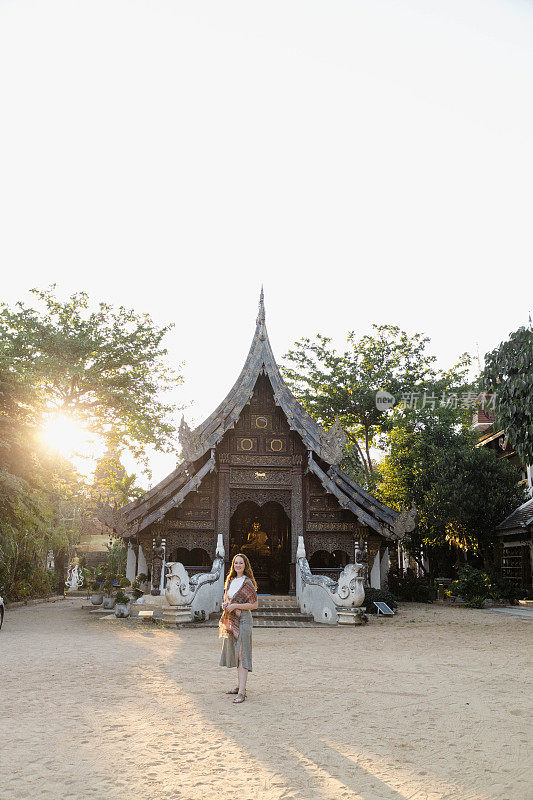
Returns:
(332, 601)
(74, 579)
(350, 591)
(178, 591)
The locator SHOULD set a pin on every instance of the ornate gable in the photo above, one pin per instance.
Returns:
(260, 433)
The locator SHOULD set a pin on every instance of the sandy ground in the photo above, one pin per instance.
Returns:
(431, 705)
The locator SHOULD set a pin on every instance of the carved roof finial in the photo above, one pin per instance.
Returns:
(186, 438)
(261, 315)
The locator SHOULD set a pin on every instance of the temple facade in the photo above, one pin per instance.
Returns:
(260, 472)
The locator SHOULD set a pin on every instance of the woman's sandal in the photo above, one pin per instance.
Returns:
(242, 698)
(233, 691)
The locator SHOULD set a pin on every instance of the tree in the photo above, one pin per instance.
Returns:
(461, 492)
(104, 367)
(112, 484)
(40, 498)
(509, 373)
(344, 386)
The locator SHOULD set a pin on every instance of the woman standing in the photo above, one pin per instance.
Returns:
(235, 625)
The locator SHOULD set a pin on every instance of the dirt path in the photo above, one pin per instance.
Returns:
(432, 705)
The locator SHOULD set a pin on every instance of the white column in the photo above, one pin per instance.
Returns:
(385, 567)
(142, 566)
(130, 563)
(163, 567)
(375, 576)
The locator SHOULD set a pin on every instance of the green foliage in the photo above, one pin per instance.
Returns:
(344, 386)
(41, 499)
(115, 563)
(115, 566)
(105, 367)
(122, 598)
(500, 589)
(378, 596)
(461, 492)
(100, 366)
(472, 585)
(411, 588)
(96, 584)
(35, 581)
(112, 484)
(509, 372)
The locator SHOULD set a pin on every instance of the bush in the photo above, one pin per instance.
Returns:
(20, 590)
(380, 596)
(38, 582)
(122, 598)
(136, 589)
(95, 583)
(501, 589)
(410, 588)
(472, 585)
(476, 602)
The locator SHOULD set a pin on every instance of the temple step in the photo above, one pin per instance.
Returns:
(282, 614)
(278, 615)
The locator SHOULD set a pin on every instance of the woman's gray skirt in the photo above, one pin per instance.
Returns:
(230, 647)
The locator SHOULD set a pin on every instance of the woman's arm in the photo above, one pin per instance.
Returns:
(243, 606)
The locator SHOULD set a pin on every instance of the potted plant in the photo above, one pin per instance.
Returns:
(122, 604)
(137, 585)
(109, 599)
(96, 587)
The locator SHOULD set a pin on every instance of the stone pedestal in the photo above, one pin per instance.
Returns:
(351, 616)
(173, 615)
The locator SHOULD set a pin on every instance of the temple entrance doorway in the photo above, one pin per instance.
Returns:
(264, 534)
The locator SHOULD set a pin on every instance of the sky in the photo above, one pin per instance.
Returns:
(367, 161)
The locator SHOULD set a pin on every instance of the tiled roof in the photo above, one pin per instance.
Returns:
(521, 517)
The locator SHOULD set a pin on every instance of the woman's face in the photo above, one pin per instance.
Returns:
(239, 565)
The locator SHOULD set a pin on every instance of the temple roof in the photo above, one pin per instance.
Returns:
(327, 445)
(260, 360)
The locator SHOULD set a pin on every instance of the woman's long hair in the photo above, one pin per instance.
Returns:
(247, 571)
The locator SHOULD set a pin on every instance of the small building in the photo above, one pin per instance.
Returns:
(261, 472)
(516, 536)
(514, 533)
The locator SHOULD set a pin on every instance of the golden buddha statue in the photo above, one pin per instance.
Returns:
(256, 542)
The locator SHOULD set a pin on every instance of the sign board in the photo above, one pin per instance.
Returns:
(384, 609)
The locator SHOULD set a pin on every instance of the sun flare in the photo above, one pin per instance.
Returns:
(67, 436)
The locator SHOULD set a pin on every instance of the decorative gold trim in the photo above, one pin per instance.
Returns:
(261, 460)
(261, 421)
(250, 477)
(193, 524)
(332, 527)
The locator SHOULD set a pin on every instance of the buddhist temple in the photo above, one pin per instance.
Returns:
(260, 472)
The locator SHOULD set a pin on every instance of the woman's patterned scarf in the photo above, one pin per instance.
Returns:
(229, 621)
